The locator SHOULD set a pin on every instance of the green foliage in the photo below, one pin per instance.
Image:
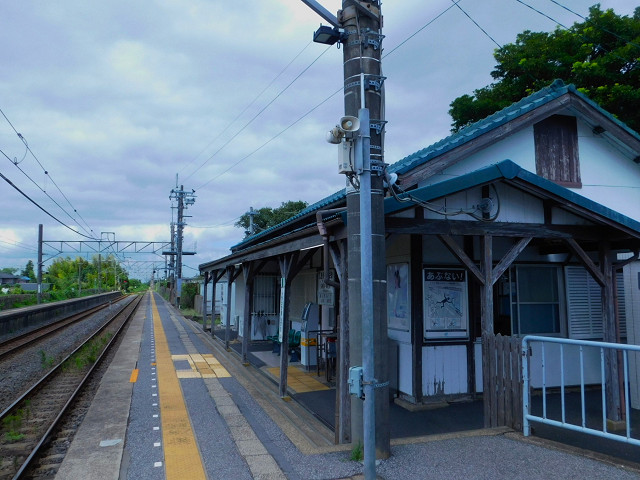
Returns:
(46, 361)
(90, 352)
(600, 56)
(12, 424)
(268, 217)
(189, 291)
(357, 452)
(28, 271)
(70, 277)
(9, 270)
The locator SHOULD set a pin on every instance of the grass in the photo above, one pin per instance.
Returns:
(46, 361)
(357, 454)
(13, 423)
(89, 353)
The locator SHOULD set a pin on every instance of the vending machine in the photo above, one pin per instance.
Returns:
(308, 338)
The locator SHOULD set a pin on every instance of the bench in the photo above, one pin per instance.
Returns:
(293, 344)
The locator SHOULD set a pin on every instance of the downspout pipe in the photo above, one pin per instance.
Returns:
(322, 229)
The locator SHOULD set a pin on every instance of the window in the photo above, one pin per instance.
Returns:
(556, 144)
(529, 301)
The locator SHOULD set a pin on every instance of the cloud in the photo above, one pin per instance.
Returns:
(116, 98)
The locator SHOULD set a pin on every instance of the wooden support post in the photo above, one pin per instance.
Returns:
(290, 265)
(417, 327)
(614, 410)
(486, 321)
(248, 273)
(343, 399)
(227, 328)
(204, 301)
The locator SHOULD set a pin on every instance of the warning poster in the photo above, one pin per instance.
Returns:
(445, 304)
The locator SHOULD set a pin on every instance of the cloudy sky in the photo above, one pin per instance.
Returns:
(115, 99)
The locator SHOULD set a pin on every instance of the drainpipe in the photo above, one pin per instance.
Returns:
(322, 229)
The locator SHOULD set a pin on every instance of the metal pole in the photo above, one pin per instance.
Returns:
(39, 264)
(366, 298)
(179, 245)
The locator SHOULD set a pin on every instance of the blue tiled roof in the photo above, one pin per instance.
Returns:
(325, 202)
(515, 110)
(475, 130)
(508, 170)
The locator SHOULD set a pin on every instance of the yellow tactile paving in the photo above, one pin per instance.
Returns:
(201, 366)
(181, 455)
(299, 381)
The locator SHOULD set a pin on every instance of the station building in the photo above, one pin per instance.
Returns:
(526, 222)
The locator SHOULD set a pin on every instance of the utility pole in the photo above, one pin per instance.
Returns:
(358, 26)
(184, 199)
(39, 296)
(251, 213)
(363, 82)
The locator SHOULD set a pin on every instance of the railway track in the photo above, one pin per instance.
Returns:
(15, 344)
(28, 423)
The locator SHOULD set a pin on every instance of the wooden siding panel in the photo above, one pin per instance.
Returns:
(556, 145)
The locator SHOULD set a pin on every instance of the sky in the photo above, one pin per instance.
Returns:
(119, 102)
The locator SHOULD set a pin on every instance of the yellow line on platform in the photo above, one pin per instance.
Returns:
(181, 454)
(134, 376)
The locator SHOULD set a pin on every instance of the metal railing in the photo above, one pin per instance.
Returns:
(563, 423)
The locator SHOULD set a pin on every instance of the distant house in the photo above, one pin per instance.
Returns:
(510, 226)
(9, 279)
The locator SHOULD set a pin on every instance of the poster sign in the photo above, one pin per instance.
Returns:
(326, 293)
(398, 316)
(445, 303)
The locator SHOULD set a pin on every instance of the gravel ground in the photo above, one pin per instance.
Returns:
(20, 371)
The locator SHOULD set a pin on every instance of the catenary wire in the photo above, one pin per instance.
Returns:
(21, 137)
(41, 189)
(43, 209)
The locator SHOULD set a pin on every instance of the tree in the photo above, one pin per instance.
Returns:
(28, 271)
(600, 56)
(9, 270)
(267, 217)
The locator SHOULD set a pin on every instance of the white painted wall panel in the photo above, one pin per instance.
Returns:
(444, 370)
(405, 369)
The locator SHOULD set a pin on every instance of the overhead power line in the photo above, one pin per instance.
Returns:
(317, 106)
(247, 107)
(260, 112)
(43, 209)
(46, 172)
(619, 37)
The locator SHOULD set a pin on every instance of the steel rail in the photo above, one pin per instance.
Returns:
(27, 463)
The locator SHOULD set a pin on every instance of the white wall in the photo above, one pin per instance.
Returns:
(444, 370)
(608, 176)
